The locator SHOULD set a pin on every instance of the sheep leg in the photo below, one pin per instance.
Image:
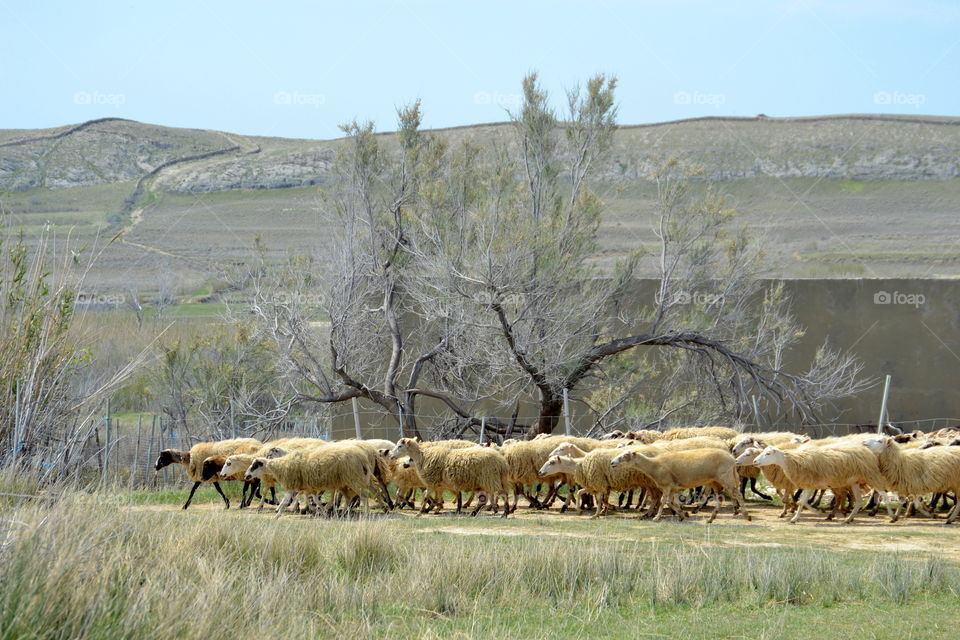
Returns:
(481, 503)
(753, 488)
(287, 499)
(216, 485)
(786, 499)
(249, 488)
(857, 499)
(663, 504)
(386, 492)
(641, 497)
(817, 498)
(532, 498)
(801, 503)
(901, 508)
(935, 501)
(953, 513)
(713, 514)
(918, 505)
(552, 494)
(677, 506)
(192, 491)
(426, 501)
(873, 504)
(839, 496)
(271, 501)
(739, 503)
(252, 487)
(704, 498)
(599, 508)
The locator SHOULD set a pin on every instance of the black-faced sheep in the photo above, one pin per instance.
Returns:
(193, 460)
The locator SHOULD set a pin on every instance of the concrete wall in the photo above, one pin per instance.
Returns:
(911, 333)
(909, 329)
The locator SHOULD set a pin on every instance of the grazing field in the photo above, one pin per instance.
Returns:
(112, 564)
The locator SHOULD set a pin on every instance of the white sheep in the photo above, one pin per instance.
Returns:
(916, 472)
(824, 467)
(673, 471)
(594, 474)
(336, 467)
(680, 433)
(479, 469)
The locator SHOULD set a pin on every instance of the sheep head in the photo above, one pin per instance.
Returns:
(553, 465)
(403, 448)
(878, 444)
(212, 467)
(166, 458)
(624, 458)
(257, 468)
(770, 455)
(613, 435)
(748, 455)
(565, 449)
(276, 452)
(744, 443)
(231, 466)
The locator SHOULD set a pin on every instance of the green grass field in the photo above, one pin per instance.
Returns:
(118, 565)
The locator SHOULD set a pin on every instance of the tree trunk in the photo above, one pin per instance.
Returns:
(551, 408)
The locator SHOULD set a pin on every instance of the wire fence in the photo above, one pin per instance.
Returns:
(123, 451)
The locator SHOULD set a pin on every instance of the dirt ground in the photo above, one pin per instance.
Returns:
(914, 535)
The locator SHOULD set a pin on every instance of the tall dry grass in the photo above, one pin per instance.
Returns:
(76, 565)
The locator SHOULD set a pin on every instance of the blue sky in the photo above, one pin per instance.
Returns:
(299, 68)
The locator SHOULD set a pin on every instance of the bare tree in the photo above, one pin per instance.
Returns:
(346, 325)
(467, 275)
(524, 262)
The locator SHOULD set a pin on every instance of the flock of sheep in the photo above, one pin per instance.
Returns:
(677, 470)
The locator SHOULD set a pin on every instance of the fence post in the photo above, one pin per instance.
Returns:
(106, 445)
(136, 453)
(483, 427)
(356, 417)
(566, 413)
(883, 404)
(756, 411)
(153, 426)
(16, 424)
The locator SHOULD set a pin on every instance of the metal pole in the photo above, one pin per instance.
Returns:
(106, 445)
(883, 405)
(136, 452)
(566, 413)
(483, 427)
(16, 422)
(153, 427)
(756, 410)
(356, 417)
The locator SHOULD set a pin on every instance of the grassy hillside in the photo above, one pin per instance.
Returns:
(839, 196)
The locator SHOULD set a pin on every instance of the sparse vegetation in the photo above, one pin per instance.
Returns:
(82, 566)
